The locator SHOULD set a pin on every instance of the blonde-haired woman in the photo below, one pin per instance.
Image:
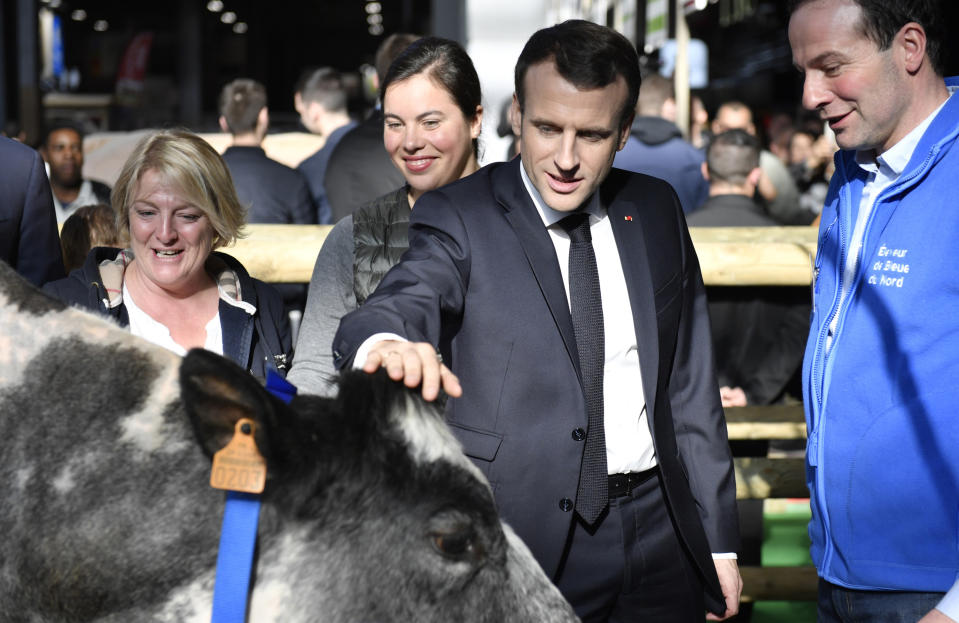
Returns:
(175, 202)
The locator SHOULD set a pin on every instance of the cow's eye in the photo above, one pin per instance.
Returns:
(455, 543)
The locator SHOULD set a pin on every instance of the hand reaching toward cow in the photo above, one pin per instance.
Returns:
(413, 363)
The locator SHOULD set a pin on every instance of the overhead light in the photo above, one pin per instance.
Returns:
(78, 15)
(375, 18)
(240, 28)
(214, 6)
(373, 7)
(55, 4)
(376, 29)
(228, 18)
(101, 25)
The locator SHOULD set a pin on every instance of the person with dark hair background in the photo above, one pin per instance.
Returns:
(62, 149)
(656, 145)
(568, 298)
(90, 226)
(432, 106)
(272, 191)
(322, 107)
(359, 170)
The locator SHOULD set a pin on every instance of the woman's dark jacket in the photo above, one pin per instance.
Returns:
(257, 342)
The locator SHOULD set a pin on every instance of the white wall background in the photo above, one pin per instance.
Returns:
(496, 31)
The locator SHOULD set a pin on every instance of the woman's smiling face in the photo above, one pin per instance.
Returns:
(171, 237)
(426, 134)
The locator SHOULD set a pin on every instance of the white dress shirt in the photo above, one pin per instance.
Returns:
(629, 444)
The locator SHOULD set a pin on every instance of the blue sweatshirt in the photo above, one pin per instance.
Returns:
(882, 404)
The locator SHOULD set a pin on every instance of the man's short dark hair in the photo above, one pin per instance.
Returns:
(882, 19)
(60, 124)
(325, 87)
(587, 55)
(240, 104)
(389, 50)
(731, 156)
(302, 78)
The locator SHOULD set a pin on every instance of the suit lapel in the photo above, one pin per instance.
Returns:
(627, 224)
(538, 247)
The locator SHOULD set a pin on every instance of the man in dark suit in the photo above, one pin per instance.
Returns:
(28, 224)
(600, 429)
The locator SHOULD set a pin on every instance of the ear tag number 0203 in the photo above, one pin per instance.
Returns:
(239, 466)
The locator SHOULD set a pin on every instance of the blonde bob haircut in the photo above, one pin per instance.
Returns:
(186, 161)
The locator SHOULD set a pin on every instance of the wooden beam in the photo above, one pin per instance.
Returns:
(779, 583)
(758, 256)
(280, 253)
(768, 422)
(758, 478)
(728, 255)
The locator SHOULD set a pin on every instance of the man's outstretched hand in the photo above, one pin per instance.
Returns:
(414, 363)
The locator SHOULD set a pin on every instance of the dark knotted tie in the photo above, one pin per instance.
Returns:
(586, 307)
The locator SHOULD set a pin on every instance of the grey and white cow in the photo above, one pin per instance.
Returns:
(370, 513)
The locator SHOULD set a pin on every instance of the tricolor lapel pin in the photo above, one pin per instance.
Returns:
(628, 218)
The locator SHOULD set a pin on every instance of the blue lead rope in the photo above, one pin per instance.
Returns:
(234, 560)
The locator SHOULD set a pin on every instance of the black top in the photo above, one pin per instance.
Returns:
(273, 192)
(359, 169)
(759, 332)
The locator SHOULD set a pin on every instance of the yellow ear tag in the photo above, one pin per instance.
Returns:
(239, 466)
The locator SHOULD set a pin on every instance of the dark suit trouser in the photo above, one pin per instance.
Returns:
(631, 567)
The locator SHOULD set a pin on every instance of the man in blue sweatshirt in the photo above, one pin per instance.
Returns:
(881, 371)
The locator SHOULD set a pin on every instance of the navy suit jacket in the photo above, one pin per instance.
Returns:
(29, 240)
(482, 282)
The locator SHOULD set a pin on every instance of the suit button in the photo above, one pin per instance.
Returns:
(566, 505)
(579, 434)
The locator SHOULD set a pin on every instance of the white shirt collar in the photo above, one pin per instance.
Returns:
(549, 215)
(897, 157)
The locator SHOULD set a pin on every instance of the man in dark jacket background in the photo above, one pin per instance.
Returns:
(273, 192)
(656, 145)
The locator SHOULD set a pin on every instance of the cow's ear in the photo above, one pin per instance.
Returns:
(216, 393)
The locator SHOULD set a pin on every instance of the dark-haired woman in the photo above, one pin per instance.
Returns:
(432, 116)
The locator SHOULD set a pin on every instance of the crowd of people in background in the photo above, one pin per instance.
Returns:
(149, 252)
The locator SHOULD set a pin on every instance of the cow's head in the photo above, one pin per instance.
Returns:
(371, 511)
